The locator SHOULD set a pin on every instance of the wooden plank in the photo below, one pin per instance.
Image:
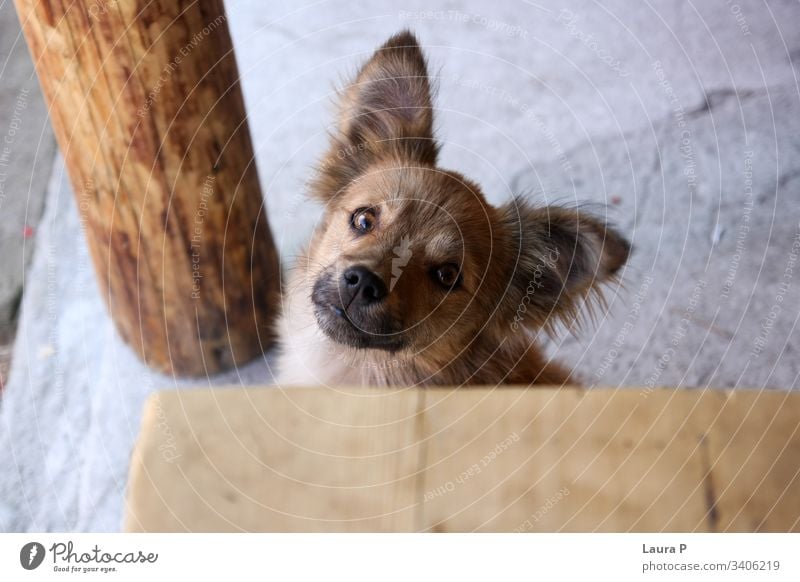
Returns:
(754, 451)
(479, 459)
(299, 460)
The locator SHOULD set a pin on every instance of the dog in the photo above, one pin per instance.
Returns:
(411, 278)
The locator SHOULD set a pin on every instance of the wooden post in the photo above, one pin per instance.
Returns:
(146, 105)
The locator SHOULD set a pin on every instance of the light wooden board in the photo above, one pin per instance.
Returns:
(508, 459)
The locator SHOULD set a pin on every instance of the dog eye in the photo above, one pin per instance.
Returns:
(448, 276)
(363, 219)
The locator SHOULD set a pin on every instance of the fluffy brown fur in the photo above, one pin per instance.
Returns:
(412, 278)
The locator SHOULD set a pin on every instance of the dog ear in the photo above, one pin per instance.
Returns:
(385, 112)
(560, 257)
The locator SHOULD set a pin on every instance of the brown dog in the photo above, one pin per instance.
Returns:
(412, 278)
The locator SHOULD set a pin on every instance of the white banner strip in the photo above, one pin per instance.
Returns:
(401, 557)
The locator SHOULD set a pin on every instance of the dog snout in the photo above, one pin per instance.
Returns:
(361, 287)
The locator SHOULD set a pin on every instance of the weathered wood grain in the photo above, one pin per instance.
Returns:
(511, 459)
(145, 102)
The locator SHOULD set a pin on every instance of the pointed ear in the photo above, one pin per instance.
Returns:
(561, 256)
(386, 111)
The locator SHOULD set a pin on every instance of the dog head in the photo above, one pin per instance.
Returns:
(411, 256)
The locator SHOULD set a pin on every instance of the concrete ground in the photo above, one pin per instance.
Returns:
(681, 121)
(27, 148)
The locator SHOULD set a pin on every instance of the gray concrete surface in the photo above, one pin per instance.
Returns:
(27, 148)
(679, 120)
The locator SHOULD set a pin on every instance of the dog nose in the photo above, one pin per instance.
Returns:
(361, 287)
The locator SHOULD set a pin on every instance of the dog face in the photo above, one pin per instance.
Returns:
(409, 256)
(400, 258)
